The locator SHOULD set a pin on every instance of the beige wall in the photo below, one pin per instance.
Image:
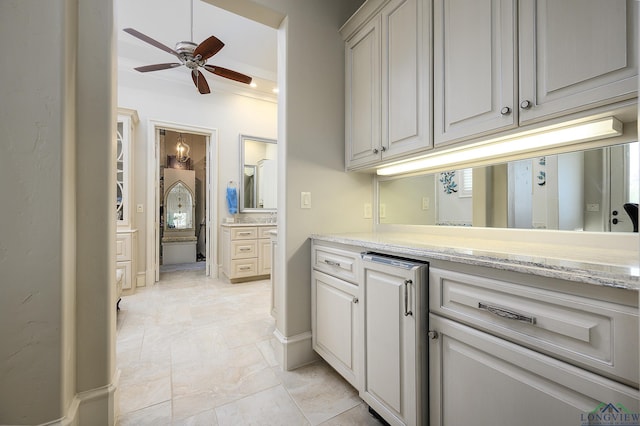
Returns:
(57, 261)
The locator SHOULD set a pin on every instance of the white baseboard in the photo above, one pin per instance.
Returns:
(141, 279)
(94, 407)
(295, 351)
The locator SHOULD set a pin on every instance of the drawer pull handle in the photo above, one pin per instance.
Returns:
(245, 249)
(244, 233)
(245, 268)
(407, 312)
(332, 263)
(505, 313)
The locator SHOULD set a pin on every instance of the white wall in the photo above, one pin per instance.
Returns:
(162, 100)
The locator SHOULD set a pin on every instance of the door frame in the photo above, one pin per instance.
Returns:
(153, 198)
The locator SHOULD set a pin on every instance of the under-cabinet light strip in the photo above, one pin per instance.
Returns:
(591, 130)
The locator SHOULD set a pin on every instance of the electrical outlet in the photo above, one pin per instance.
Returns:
(425, 203)
(367, 211)
(140, 208)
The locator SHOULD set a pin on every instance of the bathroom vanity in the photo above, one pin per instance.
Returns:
(517, 332)
(246, 251)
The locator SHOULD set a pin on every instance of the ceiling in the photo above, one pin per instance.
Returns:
(250, 47)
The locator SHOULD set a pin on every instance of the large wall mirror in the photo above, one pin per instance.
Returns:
(258, 174)
(592, 190)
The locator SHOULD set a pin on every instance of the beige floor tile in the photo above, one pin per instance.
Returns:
(199, 351)
(271, 407)
(319, 391)
(155, 415)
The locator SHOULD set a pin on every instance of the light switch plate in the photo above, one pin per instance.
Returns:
(305, 200)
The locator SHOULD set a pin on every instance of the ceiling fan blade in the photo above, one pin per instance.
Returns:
(151, 41)
(208, 48)
(157, 67)
(227, 73)
(200, 82)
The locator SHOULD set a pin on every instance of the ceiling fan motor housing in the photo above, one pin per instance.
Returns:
(185, 49)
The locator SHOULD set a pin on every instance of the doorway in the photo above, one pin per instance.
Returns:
(187, 156)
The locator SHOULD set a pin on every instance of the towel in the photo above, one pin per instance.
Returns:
(232, 200)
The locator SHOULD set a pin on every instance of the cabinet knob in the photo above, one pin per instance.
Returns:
(375, 150)
(615, 221)
(433, 335)
(526, 104)
(505, 111)
(355, 300)
(383, 149)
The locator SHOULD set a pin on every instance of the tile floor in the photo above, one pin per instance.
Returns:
(198, 351)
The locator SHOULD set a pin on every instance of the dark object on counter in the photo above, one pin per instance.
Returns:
(632, 211)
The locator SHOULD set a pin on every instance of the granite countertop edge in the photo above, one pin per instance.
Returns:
(616, 276)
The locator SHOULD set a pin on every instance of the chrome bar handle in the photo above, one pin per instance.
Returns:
(332, 263)
(505, 313)
(407, 312)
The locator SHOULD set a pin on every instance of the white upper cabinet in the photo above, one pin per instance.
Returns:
(576, 55)
(387, 81)
(474, 67)
(497, 66)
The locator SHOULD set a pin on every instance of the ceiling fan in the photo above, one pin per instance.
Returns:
(193, 56)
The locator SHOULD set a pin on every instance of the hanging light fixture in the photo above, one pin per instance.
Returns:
(182, 150)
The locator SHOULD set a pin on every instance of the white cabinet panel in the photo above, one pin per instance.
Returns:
(576, 54)
(474, 54)
(335, 323)
(479, 379)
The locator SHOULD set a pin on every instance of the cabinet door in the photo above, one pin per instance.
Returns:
(406, 77)
(363, 96)
(335, 324)
(474, 68)
(576, 55)
(264, 256)
(478, 379)
(391, 370)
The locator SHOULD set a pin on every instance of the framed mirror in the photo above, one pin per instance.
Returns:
(179, 208)
(258, 174)
(591, 190)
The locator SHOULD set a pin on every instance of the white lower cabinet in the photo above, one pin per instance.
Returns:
(336, 323)
(478, 379)
(507, 353)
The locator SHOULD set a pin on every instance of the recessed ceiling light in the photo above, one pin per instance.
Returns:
(275, 90)
(253, 84)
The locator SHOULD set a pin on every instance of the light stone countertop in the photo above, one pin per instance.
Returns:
(611, 268)
(246, 224)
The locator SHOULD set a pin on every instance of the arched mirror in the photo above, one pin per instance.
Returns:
(180, 207)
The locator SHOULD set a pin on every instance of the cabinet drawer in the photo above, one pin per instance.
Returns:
(243, 268)
(123, 247)
(339, 263)
(600, 336)
(127, 278)
(244, 249)
(244, 233)
(263, 231)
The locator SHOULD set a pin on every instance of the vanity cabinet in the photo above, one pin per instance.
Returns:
(388, 81)
(570, 56)
(246, 252)
(126, 234)
(336, 313)
(548, 356)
